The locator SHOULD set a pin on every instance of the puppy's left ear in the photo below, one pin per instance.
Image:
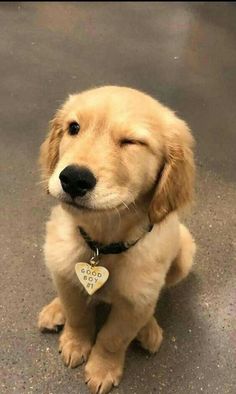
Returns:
(175, 185)
(49, 150)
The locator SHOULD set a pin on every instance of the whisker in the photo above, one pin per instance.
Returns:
(43, 182)
(126, 206)
(133, 205)
(117, 210)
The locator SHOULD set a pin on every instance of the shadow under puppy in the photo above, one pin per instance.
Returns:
(120, 165)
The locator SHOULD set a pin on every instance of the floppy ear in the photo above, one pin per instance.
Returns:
(49, 150)
(175, 184)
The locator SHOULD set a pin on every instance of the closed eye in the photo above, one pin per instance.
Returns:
(129, 141)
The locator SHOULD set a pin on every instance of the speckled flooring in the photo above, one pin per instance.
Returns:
(185, 55)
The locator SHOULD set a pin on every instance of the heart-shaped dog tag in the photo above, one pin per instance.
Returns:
(91, 277)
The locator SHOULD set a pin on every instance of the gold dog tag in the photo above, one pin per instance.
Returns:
(91, 277)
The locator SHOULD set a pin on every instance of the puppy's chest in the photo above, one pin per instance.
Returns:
(124, 280)
(127, 271)
(119, 283)
(70, 252)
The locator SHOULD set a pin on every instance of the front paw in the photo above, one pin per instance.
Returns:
(74, 346)
(103, 371)
(52, 316)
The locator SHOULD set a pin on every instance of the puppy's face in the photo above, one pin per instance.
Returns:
(110, 147)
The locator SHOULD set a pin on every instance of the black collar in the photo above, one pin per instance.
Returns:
(113, 248)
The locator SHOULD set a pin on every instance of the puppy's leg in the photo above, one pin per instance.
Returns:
(52, 316)
(105, 365)
(182, 264)
(150, 336)
(77, 338)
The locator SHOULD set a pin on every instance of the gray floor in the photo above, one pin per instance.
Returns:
(185, 55)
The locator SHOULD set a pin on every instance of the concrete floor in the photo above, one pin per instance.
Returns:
(185, 55)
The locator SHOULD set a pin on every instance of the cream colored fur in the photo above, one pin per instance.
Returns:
(150, 179)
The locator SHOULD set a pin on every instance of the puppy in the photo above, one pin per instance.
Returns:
(120, 166)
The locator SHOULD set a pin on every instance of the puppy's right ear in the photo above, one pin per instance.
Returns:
(49, 150)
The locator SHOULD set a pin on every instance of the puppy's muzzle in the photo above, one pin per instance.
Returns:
(77, 181)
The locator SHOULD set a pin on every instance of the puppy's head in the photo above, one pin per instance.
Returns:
(110, 147)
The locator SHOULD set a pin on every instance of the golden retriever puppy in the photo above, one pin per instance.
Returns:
(120, 165)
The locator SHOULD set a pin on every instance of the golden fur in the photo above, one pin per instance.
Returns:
(148, 179)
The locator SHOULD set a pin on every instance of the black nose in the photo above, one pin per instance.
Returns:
(76, 180)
